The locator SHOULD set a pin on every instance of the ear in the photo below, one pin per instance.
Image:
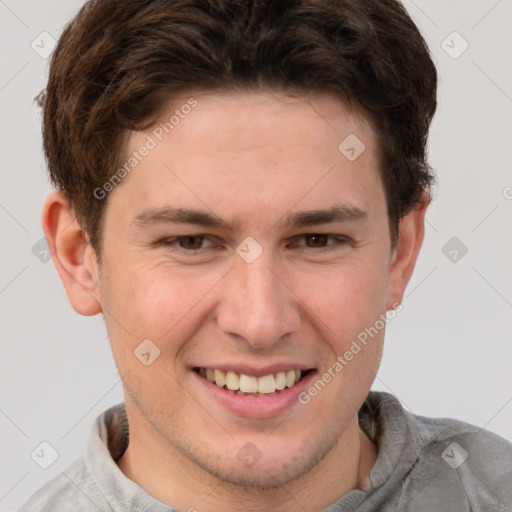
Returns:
(73, 256)
(405, 253)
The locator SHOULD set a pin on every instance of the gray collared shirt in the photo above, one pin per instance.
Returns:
(423, 464)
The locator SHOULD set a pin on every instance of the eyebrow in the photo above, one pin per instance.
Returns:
(168, 215)
(334, 214)
(181, 216)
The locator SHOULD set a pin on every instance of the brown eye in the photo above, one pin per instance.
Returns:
(191, 242)
(316, 240)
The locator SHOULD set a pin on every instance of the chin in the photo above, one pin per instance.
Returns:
(259, 478)
(275, 468)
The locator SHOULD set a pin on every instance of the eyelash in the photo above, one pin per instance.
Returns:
(171, 242)
(338, 241)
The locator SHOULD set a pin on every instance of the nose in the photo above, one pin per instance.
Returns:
(257, 304)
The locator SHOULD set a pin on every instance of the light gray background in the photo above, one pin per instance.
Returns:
(448, 353)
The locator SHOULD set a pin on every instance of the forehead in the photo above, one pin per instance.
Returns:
(252, 150)
(250, 119)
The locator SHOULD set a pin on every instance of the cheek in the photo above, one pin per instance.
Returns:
(345, 300)
(348, 312)
(159, 303)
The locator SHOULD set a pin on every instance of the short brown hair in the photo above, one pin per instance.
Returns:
(119, 61)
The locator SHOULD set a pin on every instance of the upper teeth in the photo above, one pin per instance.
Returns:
(250, 384)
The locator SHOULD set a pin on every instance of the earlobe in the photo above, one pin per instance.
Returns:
(405, 254)
(74, 258)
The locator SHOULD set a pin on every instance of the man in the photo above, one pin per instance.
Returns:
(241, 192)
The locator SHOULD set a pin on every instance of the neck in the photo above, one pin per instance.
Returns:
(171, 478)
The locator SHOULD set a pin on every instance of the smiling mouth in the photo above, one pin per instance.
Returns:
(249, 385)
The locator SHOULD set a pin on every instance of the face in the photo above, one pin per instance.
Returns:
(250, 251)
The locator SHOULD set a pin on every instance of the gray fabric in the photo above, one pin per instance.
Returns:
(410, 473)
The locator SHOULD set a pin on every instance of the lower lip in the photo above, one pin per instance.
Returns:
(257, 406)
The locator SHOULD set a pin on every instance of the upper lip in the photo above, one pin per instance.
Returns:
(254, 371)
